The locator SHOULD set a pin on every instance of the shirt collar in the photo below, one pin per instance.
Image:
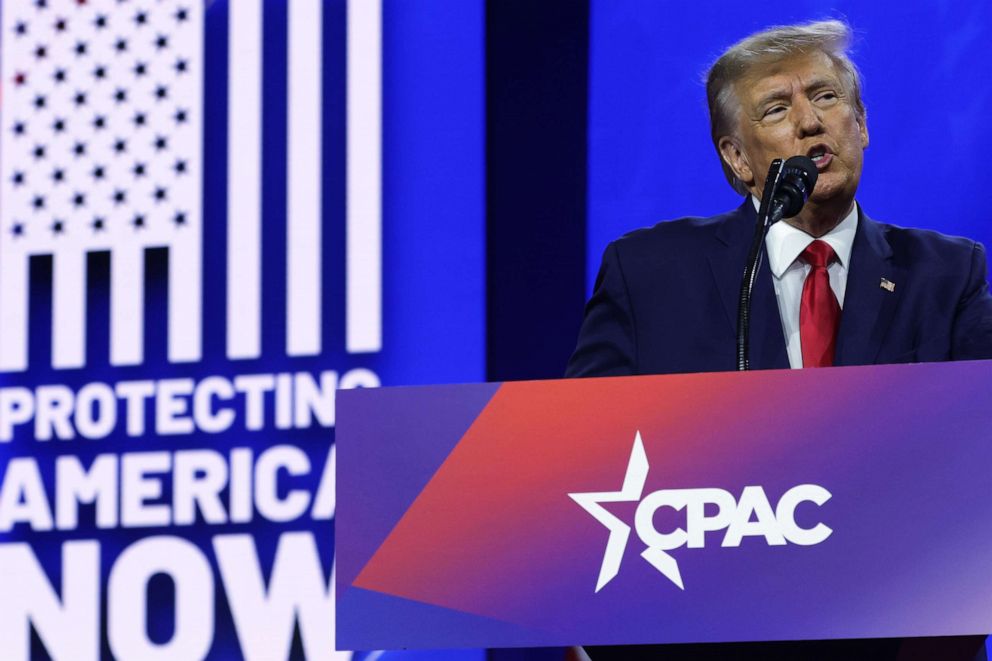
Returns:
(784, 243)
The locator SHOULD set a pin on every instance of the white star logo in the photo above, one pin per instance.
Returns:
(633, 486)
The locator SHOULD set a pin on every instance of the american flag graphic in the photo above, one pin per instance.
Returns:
(101, 151)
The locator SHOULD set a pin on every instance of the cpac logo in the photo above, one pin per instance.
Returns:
(777, 526)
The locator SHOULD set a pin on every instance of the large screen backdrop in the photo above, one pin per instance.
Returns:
(928, 91)
(213, 215)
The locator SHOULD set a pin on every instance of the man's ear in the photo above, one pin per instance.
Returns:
(863, 130)
(736, 160)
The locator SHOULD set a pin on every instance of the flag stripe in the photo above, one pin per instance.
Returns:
(185, 301)
(98, 308)
(364, 172)
(69, 310)
(40, 284)
(13, 311)
(244, 180)
(185, 341)
(127, 305)
(303, 171)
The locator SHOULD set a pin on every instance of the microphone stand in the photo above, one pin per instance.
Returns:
(767, 214)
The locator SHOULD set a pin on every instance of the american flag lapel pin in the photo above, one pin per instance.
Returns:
(887, 285)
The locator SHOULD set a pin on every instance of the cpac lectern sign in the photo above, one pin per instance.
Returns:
(839, 503)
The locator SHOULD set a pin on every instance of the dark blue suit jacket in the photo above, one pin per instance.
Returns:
(665, 300)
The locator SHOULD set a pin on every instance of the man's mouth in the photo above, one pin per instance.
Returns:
(821, 156)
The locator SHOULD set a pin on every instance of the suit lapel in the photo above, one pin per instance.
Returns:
(727, 258)
(868, 307)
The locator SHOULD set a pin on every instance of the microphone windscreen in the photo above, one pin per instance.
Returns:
(805, 166)
(796, 185)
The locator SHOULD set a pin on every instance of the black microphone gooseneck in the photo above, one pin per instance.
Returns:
(787, 187)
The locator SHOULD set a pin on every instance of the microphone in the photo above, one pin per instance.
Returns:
(795, 185)
(787, 187)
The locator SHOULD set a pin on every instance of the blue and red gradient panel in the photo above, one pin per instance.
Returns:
(492, 551)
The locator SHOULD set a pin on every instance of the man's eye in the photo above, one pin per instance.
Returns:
(826, 96)
(774, 110)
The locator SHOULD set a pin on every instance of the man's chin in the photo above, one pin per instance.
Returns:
(829, 193)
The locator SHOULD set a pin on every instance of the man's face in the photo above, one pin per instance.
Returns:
(798, 106)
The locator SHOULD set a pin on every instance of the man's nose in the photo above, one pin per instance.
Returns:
(807, 118)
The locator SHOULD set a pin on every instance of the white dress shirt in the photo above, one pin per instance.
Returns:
(784, 243)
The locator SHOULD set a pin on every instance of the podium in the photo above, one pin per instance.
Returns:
(784, 505)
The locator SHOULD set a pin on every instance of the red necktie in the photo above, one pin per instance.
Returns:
(819, 313)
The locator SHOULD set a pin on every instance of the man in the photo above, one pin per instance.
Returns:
(666, 297)
(835, 287)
